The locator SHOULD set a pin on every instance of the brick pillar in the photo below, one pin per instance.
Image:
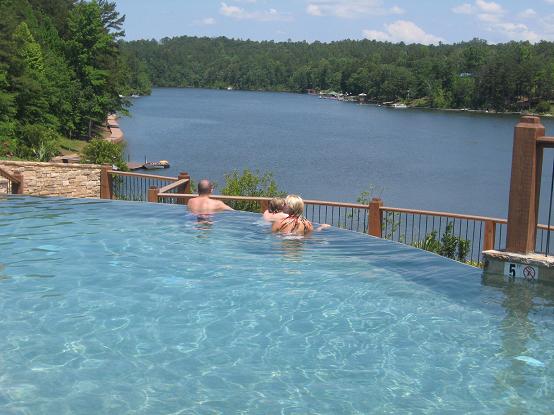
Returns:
(375, 218)
(524, 186)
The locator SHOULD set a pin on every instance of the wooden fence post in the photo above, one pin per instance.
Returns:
(264, 205)
(375, 218)
(183, 188)
(524, 186)
(19, 188)
(106, 191)
(489, 236)
(153, 194)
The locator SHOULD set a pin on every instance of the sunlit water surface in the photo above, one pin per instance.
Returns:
(126, 308)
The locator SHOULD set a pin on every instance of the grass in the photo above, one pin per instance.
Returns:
(68, 145)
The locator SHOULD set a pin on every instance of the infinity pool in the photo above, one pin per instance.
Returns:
(130, 308)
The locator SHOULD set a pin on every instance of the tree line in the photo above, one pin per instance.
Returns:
(61, 72)
(512, 76)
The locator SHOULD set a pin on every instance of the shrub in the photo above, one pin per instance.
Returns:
(104, 152)
(250, 184)
(38, 142)
(450, 246)
(543, 107)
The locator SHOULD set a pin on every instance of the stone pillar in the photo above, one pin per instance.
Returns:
(524, 186)
(375, 218)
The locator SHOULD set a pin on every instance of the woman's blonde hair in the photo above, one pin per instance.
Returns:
(295, 204)
(276, 205)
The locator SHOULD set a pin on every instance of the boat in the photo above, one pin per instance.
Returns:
(399, 105)
(152, 165)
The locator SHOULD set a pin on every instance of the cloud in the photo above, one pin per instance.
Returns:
(208, 21)
(489, 18)
(465, 8)
(239, 13)
(527, 14)
(516, 31)
(489, 7)
(349, 9)
(402, 31)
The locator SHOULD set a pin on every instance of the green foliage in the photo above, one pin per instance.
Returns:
(543, 107)
(104, 152)
(38, 142)
(464, 75)
(60, 68)
(450, 245)
(250, 184)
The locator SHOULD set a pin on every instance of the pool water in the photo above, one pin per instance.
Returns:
(135, 308)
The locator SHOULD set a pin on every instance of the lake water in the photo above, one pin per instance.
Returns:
(322, 149)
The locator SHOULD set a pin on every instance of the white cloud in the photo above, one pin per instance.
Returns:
(350, 9)
(549, 1)
(465, 8)
(403, 31)
(527, 14)
(208, 21)
(489, 7)
(262, 16)
(489, 18)
(516, 31)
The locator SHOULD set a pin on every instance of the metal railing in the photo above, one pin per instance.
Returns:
(460, 237)
(133, 186)
(12, 183)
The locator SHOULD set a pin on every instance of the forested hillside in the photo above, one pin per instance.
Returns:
(61, 72)
(511, 76)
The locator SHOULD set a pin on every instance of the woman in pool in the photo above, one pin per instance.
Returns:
(295, 223)
(275, 213)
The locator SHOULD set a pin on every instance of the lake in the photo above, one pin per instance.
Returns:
(323, 149)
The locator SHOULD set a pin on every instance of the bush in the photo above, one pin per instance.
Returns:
(250, 184)
(104, 152)
(450, 246)
(543, 107)
(38, 142)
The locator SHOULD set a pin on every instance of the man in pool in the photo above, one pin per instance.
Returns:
(202, 205)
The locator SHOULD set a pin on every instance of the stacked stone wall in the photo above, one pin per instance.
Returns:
(57, 179)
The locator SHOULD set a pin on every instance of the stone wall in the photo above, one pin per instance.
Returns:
(57, 179)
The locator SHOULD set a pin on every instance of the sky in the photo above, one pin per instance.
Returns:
(409, 21)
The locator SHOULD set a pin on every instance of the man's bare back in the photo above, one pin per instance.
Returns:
(203, 204)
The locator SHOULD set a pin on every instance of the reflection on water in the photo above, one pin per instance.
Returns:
(292, 247)
(524, 303)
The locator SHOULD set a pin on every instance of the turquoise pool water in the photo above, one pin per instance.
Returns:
(129, 308)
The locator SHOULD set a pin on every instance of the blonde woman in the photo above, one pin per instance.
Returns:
(295, 223)
(275, 213)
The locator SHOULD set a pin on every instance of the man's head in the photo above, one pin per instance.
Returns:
(204, 187)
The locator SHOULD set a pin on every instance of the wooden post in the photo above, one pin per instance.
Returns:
(264, 205)
(375, 218)
(106, 191)
(183, 188)
(153, 194)
(18, 188)
(489, 236)
(524, 186)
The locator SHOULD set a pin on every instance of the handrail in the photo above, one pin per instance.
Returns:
(444, 214)
(148, 176)
(7, 175)
(261, 199)
(172, 186)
